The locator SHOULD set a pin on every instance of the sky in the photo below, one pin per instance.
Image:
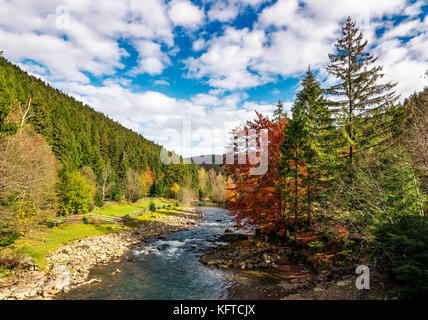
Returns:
(184, 73)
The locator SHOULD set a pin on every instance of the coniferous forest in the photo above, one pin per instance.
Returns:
(345, 184)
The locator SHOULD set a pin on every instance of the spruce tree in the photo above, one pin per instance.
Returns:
(293, 152)
(319, 134)
(279, 113)
(361, 104)
(306, 151)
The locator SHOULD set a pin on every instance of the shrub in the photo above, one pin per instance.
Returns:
(116, 193)
(50, 224)
(8, 238)
(402, 250)
(99, 202)
(76, 194)
(152, 206)
(134, 189)
(316, 245)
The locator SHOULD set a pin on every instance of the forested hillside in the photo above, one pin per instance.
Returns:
(61, 157)
(79, 135)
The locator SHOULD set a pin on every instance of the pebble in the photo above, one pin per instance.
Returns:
(69, 266)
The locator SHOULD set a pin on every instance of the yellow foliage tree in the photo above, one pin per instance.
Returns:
(174, 190)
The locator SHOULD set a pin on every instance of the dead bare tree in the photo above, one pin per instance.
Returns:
(103, 179)
(26, 113)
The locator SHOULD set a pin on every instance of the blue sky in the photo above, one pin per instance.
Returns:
(161, 66)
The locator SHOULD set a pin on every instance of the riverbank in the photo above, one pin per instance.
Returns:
(301, 280)
(69, 266)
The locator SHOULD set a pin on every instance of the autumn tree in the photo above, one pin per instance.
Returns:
(147, 180)
(219, 188)
(205, 186)
(256, 199)
(133, 186)
(174, 190)
(27, 174)
(360, 101)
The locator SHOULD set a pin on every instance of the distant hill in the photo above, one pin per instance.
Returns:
(211, 161)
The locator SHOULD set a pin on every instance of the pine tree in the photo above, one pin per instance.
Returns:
(279, 113)
(307, 147)
(292, 165)
(319, 134)
(362, 104)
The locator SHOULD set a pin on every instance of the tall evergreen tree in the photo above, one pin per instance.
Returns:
(361, 103)
(293, 153)
(319, 134)
(306, 152)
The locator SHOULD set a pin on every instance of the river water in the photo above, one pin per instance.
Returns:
(170, 269)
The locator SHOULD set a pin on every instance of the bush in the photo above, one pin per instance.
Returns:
(76, 194)
(134, 189)
(116, 193)
(152, 206)
(8, 238)
(85, 220)
(99, 202)
(50, 224)
(402, 250)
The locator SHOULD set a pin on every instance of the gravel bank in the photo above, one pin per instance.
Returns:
(69, 266)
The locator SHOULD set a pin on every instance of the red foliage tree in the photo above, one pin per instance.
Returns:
(258, 199)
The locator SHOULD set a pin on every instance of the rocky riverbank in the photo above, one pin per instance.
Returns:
(69, 266)
(243, 252)
(300, 280)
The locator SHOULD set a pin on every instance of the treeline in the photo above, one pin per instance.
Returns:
(59, 156)
(347, 173)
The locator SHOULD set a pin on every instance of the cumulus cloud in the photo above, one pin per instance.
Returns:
(184, 13)
(71, 38)
(291, 34)
(66, 42)
(228, 10)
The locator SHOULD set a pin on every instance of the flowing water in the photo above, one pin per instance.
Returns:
(170, 269)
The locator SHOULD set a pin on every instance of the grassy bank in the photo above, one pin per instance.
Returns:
(39, 242)
(123, 209)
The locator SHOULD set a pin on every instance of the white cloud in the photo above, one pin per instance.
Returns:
(198, 44)
(161, 83)
(151, 58)
(228, 10)
(184, 13)
(291, 34)
(228, 60)
(28, 30)
(154, 114)
(287, 36)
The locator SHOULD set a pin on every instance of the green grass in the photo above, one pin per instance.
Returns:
(150, 216)
(39, 243)
(123, 209)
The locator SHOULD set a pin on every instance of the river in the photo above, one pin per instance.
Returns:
(169, 268)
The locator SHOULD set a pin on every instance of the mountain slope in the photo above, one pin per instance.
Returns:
(79, 135)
